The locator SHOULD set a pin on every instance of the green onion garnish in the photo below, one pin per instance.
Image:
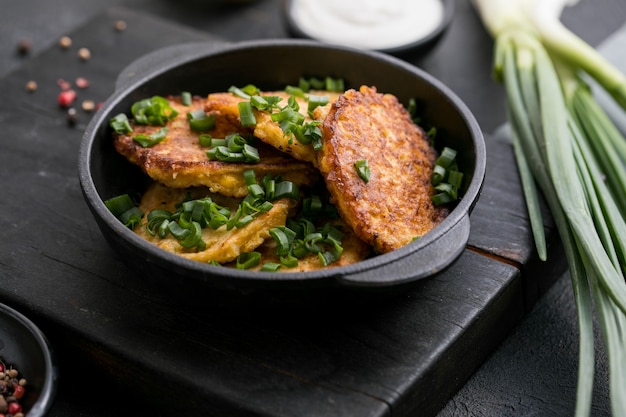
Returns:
(445, 178)
(123, 207)
(248, 260)
(155, 111)
(246, 114)
(119, 204)
(270, 267)
(185, 97)
(363, 169)
(120, 124)
(199, 121)
(316, 101)
(150, 140)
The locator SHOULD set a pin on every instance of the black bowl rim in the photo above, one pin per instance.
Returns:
(423, 42)
(48, 390)
(341, 274)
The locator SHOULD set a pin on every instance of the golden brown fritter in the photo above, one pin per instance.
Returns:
(222, 245)
(394, 206)
(180, 161)
(225, 105)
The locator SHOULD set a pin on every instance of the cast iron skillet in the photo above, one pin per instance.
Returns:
(203, 68)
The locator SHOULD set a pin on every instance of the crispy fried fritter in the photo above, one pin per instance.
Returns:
(180, 161)
(394, 206)
(222, 245)
(225, 105)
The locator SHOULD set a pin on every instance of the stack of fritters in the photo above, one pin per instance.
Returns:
(385, 212)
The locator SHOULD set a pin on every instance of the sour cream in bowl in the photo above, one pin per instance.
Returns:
(391, 26)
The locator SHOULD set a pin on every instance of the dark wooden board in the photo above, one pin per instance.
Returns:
(392, 357)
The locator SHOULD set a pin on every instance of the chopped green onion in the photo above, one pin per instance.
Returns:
(335, 85)
(283, 243)
(156, 218)
(186, 99)
(147, 141)
(446, 158)
(249, 177)
(155, 111)
(363, 169)
(199, 121)
(119, 204)
(131, 217)
(205, 140)
(294, 91)
(194, 238)
(178, 231)
(286, 189)
(315, 83)
(441, 198)
(439, 173)
(120, 124)
(455, 178)
(289, 261)
(316, 101)
(256, 190)
(245, 92)
(270, 267)
(248, 260)
(246, 114)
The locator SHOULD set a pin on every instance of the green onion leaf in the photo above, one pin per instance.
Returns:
(119, 204)
(248, 260)
(185, 97)
(131, 217)
(270, 267)
(246, 114)
(120, 124)
(155, 111)
(363, 169)
(147, 141)
(199, 121)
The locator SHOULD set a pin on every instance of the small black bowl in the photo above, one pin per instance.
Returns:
(25, 347)
(204, 68)
(418, 45)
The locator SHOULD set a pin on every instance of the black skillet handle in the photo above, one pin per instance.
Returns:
(429, 260)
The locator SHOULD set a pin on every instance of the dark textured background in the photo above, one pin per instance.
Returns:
(534, 370)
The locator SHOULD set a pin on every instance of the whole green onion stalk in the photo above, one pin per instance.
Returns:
(567, 148)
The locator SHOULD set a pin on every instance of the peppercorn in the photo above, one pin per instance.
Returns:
(120, 25)
(24, 46)
(64, 85)
(18, 391)
(65, 42)
(84, 54)
(31, 86)
(72, 116)
(88, 105)
(14, 408)
(66, 98)
(82, 82)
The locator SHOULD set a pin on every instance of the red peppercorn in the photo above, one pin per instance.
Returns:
(66, 98)
(18, 391)
(82, 82)
(64, 85)
(1, 367)
(14, 408)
